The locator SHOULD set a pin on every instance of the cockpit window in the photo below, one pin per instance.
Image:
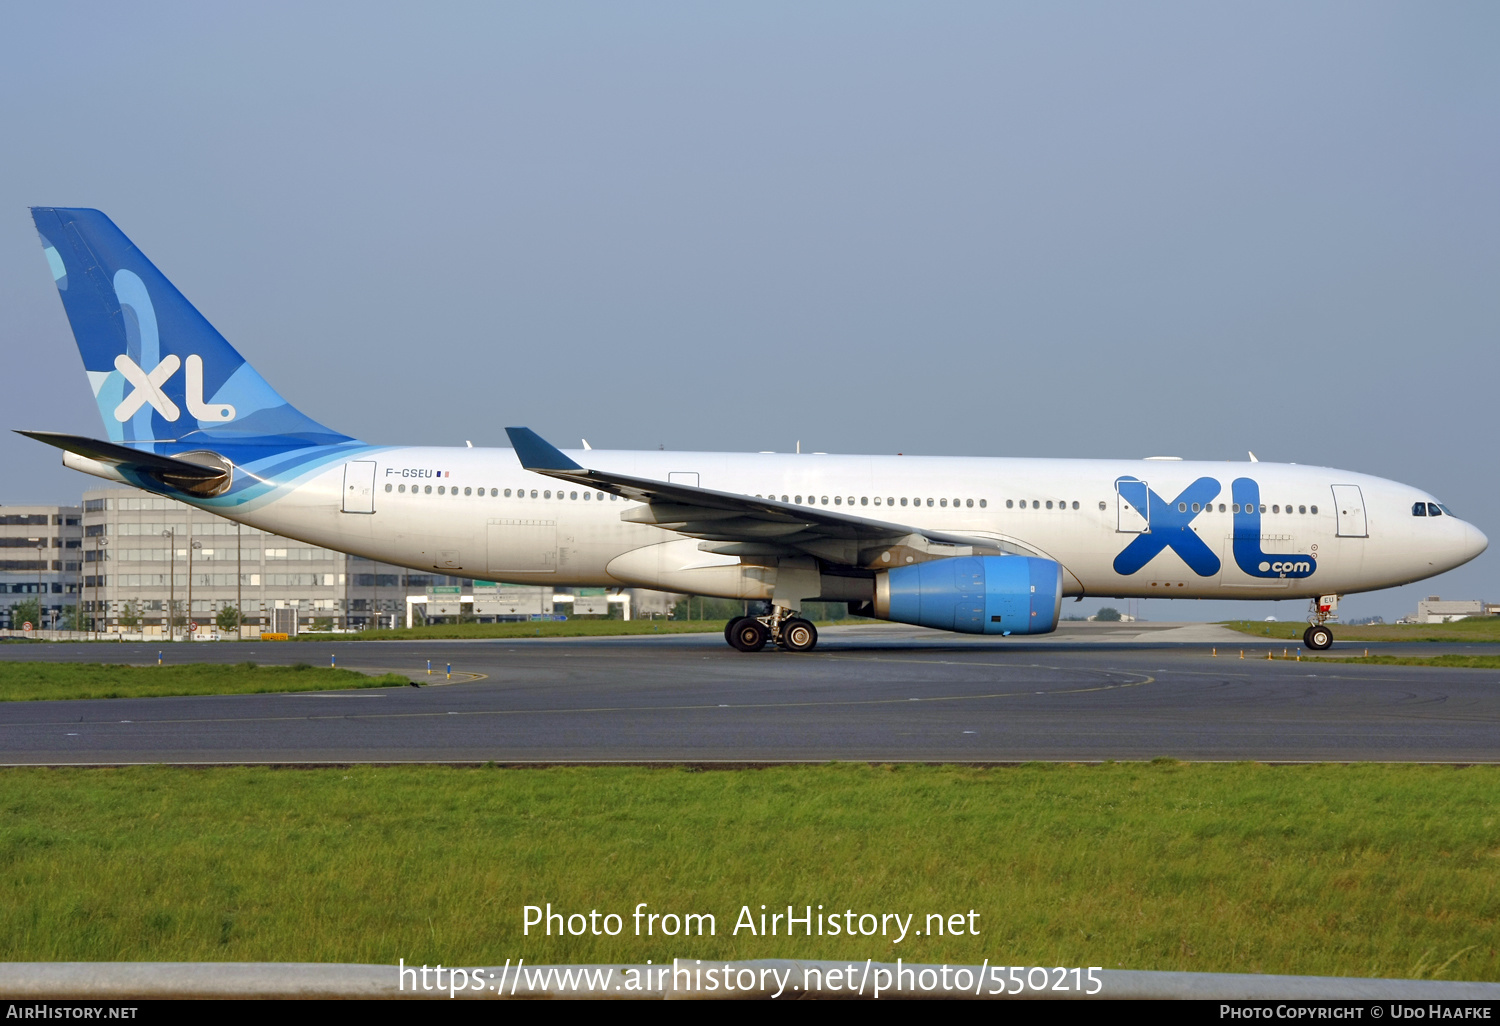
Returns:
(1434, 510)
(1419, 509)
(1444, 507)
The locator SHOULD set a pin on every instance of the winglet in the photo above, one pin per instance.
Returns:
(536, 453)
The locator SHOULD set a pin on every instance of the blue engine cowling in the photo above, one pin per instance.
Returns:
(974, 594)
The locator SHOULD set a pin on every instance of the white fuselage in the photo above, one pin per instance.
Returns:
(476, 513)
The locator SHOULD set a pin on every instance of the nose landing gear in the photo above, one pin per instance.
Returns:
(1319, 637)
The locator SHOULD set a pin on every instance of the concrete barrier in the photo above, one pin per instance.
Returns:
(690, 978)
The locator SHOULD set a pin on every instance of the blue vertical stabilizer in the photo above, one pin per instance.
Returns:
(164, 379)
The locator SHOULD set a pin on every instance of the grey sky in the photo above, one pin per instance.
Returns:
(990, 229)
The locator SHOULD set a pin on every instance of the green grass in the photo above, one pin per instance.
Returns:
(570, 628)
(1470, 662)
(1474, 629)
(22, 682)
(1363, 870)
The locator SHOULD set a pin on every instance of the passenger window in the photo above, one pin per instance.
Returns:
(799, 500)
(507, 493)
(1182, 507)
(441, 490)
(825, 500)
(402, 488)
(1263, 507)
(1301, 509)
(1221, 507)
(941, 502)
(533, 493)
(1235, 507)
(969, 503)
(784, 499)
(1010, 503)
(903, 500)
(388, 488)
(1103, 506)
(571, 495)
(1049, 503)
(929, 502)
(547, 494)
(468, 491)
(864, 500)
(1035, 504)
(1275, 509)
(587, 496)
(1312, 509)
(1433, 510)
(837, 501)
(890, 500)
(877, 500)
(427, 490)
(983, 503)
(1075, 503)
(1195, 507)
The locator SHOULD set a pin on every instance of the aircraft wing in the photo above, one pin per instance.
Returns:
(732, 524)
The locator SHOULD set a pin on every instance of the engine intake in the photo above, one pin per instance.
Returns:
(974, 594)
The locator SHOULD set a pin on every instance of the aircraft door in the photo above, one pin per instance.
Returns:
(522, 546)
(1349, 502)
(359, 486)
(1133, 505)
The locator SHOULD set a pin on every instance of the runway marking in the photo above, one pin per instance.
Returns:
(626, 708)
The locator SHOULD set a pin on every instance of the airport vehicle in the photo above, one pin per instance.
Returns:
(978, 545)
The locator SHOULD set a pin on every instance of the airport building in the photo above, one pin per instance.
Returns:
(39, 561)
(145, 554)
(127, 557)
(1433, 609)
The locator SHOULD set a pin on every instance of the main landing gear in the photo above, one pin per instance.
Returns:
(751, 633)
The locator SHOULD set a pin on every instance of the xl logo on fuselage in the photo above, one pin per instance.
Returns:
(148, 386)
(1169, 526)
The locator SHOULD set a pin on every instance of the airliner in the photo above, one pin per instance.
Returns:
(974, 545)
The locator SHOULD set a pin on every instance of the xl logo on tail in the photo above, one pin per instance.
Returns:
(148, 390)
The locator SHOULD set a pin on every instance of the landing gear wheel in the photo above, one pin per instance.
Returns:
(798, 635)
(729, 630)
(1317, 637)
(748, 634)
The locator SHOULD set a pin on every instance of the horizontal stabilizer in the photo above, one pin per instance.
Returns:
(198, 473)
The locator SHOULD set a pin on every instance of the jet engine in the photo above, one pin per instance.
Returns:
(973, 594)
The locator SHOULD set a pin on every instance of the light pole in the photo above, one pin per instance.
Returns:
(239, 579)
(171, 535)
(98, 564)
(41, 564)
(191, 546)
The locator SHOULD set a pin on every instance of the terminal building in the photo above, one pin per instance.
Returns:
(129, 559)
(39, 562)
(1433, 609)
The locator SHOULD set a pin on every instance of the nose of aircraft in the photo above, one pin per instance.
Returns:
(1474, 542)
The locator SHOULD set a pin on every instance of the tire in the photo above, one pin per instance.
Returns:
(749, 635)
(798, 635)
(729, 630)
(1318, 638)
